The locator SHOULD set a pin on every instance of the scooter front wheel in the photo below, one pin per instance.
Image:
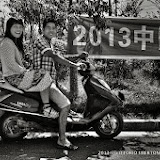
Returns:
(9, 129)
(109, 126)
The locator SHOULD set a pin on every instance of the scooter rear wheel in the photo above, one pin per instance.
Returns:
(9, 129)
(109, 126)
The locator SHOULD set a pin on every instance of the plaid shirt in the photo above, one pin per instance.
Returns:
(41, 45)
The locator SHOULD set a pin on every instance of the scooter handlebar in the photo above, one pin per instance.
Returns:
(82, 66)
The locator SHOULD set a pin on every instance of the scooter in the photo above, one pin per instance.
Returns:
(21, 112)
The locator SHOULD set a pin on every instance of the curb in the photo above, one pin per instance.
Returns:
(141, 125)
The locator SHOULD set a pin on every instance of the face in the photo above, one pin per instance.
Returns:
(50, 30)
(16, 30)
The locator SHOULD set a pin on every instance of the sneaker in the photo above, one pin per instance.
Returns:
(50, 112)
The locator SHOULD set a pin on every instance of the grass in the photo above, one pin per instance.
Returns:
(142, 99)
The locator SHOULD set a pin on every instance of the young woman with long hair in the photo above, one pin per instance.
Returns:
(13, 70)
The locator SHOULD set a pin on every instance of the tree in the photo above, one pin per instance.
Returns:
(1, 26)
(156, 3)
(34, 11)
(131, 8)
(153, 69)
(155, 13)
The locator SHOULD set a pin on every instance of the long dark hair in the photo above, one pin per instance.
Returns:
(18, 41)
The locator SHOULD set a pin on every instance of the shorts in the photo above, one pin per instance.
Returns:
(58, 97)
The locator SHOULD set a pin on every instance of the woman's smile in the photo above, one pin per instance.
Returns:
(16, 30)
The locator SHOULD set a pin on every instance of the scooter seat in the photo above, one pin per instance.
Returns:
(4, 84)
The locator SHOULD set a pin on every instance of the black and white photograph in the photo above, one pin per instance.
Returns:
(79, 79)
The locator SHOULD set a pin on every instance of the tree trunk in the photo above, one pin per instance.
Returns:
(70, 3)
(31, 32)
(73, 84)
(115, 1)
(110, 8)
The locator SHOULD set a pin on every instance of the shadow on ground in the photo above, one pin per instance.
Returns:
(90, 147)
(34, 149)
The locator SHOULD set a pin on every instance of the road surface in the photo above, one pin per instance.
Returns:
(126, 146)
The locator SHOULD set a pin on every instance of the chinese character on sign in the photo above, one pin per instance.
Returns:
(143, 36)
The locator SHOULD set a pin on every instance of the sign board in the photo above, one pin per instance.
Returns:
(123, 38)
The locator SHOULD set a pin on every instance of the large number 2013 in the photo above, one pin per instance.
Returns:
(77, 41)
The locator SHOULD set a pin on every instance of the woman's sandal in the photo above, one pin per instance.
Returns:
(70, 147)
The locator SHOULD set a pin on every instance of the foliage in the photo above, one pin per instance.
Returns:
(95, 9)
(132, 8)
(117, 71)
(151, 70)
(142, 99)
(114, 68)
(155, 14)
(156, 3)
(35, 11)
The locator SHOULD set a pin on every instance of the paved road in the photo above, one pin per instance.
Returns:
(127, 146)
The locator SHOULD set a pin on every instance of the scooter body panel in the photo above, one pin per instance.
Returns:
(96, 99)
(18, 101)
